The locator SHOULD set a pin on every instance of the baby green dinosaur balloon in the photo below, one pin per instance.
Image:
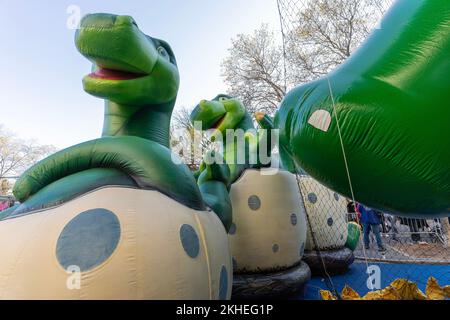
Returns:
(384, 114)
(243, 146)
(137, 75)
(226, 116)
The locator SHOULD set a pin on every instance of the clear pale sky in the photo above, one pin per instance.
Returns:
(41, 70)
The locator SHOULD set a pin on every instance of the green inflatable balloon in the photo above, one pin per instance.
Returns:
(389, 105)
(138, 78)
(220, 115)
(226, 115)
(354, 233)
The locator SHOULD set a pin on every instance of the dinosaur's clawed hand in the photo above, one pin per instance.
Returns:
(214, 183)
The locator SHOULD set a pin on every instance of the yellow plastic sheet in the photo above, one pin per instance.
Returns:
(408, 290)
(349, 294)
(447, 291)
(389, 293)
(400, 289)
(434, 291)
(327, 295)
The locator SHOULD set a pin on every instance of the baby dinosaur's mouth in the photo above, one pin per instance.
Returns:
(216, 124)
(110, 74)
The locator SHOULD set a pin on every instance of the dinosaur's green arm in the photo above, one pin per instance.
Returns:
(392, 100)
(266, 143)
(215, 171)
(215, 194)
(214, 183)
(148, 163)
(196, 174)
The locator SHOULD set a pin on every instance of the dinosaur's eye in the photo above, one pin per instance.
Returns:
(163, 52)
(222, 99)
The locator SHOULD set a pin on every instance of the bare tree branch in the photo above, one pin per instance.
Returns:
(321, 36)
(17, 155)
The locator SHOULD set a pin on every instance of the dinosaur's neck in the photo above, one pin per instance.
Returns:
(408, 50)
(150, 122)
(232, 154)
(245, 124)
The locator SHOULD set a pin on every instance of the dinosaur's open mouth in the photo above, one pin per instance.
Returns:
(216, 124)
(109, 74)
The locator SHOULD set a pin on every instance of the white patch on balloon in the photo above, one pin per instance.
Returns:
(320, 119)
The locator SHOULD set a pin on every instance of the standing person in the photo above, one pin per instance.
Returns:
(393, 222)
(351, 211)
(371, 221)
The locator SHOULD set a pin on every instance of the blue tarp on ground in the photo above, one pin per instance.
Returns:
(357, 277)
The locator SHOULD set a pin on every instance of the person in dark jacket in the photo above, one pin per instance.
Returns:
(370, 219)
(353, 216)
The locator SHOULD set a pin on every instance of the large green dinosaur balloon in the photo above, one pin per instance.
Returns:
(137, 75)
(390, 103)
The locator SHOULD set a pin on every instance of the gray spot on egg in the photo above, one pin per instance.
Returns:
(232, 229)
(189, 240)
(330, 221)
(312, 197)
(223, 284)
(275, 248)
(254, 202)
(89, 239)
(294, 219)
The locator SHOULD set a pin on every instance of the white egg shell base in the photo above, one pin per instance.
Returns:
(269, 225)
(164, 250)
(327, 212)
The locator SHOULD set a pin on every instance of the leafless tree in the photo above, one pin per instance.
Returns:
(17, 155)
(253, 70)
(318, 36)
(326, 33)
(5, 187)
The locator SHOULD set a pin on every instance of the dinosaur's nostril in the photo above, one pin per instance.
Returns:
(125, 20)
(103, 20)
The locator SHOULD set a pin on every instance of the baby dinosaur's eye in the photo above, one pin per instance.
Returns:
(163, 52)
(222, 99)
